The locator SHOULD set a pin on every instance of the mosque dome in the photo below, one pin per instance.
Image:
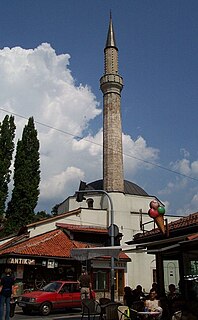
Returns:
(129, 187)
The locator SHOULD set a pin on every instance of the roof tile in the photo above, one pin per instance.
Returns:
(82, 228)
(182, 223)
(51, 244)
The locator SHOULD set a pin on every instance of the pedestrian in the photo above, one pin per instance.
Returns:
(6, 292)
(85, 285)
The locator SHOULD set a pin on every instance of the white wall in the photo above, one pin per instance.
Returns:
(127, 217)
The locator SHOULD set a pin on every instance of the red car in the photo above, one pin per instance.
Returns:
(55, 295)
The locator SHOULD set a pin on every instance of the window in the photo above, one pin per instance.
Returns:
(154, 275)
(75, 287)
(90, 202)
(100, 280)
(66, 288)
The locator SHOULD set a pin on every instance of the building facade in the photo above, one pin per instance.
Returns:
(130, 202)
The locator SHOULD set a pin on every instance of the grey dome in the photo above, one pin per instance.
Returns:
(129, 187)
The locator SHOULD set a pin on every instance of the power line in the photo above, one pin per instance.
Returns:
(98, 144)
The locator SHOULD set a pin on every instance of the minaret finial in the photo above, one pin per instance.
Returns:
(110, 36)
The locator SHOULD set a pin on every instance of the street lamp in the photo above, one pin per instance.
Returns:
(111, 227)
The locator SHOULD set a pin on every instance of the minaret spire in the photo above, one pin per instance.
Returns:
(110, 36)
(111, 84)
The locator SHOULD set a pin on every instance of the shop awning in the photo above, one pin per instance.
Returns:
(90, 253)
(114, 251)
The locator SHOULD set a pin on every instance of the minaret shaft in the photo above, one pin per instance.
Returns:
(111, 85)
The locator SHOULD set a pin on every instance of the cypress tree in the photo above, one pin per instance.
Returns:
(26, 180)
(7, 134)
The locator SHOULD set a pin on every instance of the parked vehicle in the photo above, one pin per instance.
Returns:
(55, 295)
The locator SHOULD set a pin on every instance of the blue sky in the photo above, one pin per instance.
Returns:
(51, 60)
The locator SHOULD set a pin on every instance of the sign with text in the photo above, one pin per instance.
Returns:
(21, 261)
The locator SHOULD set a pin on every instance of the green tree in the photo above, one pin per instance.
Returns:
(54, 210)
(26, 180)
(41, 215)
(7, 134)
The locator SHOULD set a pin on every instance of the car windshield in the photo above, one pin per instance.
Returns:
(52, 287)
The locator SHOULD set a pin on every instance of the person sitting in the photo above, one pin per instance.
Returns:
(153, 304)
(173, 298)
(156, 288)
(138, 298)
(172, 292)
(138, 294)
(128, 297)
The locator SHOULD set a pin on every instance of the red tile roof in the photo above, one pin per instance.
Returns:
(82, 228)
(14, 240)
(193, 237)
(51, 244)
(178, 225)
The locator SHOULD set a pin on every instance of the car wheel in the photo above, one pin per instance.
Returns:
(27, 311)
(45, 309)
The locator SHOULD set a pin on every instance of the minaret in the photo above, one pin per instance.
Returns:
(111, 84)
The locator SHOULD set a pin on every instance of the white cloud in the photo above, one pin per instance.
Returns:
(38, 82)
(137, 154)
(185, 167)
(185, 153)
(183, 185)
(182, 166)
(55, 185)
(194, 167)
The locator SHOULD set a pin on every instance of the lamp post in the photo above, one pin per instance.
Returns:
(112, 232)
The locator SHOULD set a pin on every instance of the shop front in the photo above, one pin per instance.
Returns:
(33, 272)
(101, 275)
(47, 257)
(179, 247)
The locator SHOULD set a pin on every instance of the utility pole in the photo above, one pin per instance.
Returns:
(80, 194)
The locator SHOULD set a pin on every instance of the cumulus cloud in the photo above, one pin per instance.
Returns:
(137, 154)
(182, 184)
(38, 82)
(185, 166)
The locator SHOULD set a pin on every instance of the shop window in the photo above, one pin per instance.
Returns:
(194, 267)
(100, 280)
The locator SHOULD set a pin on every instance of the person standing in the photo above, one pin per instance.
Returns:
(6, 292)
(85, 285)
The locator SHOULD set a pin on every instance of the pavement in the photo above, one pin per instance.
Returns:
(73, 315)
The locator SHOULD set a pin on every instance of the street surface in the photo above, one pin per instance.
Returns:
(56, 315)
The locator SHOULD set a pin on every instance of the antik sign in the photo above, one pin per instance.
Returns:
(20, 261)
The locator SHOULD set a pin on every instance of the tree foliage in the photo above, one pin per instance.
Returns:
(41, 215)
(25, 193)
(54, 210)
(7, 134)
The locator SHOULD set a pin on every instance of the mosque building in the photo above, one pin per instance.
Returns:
(130, 202)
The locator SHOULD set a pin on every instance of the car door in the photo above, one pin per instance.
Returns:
(76, 295)
(64, 298)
